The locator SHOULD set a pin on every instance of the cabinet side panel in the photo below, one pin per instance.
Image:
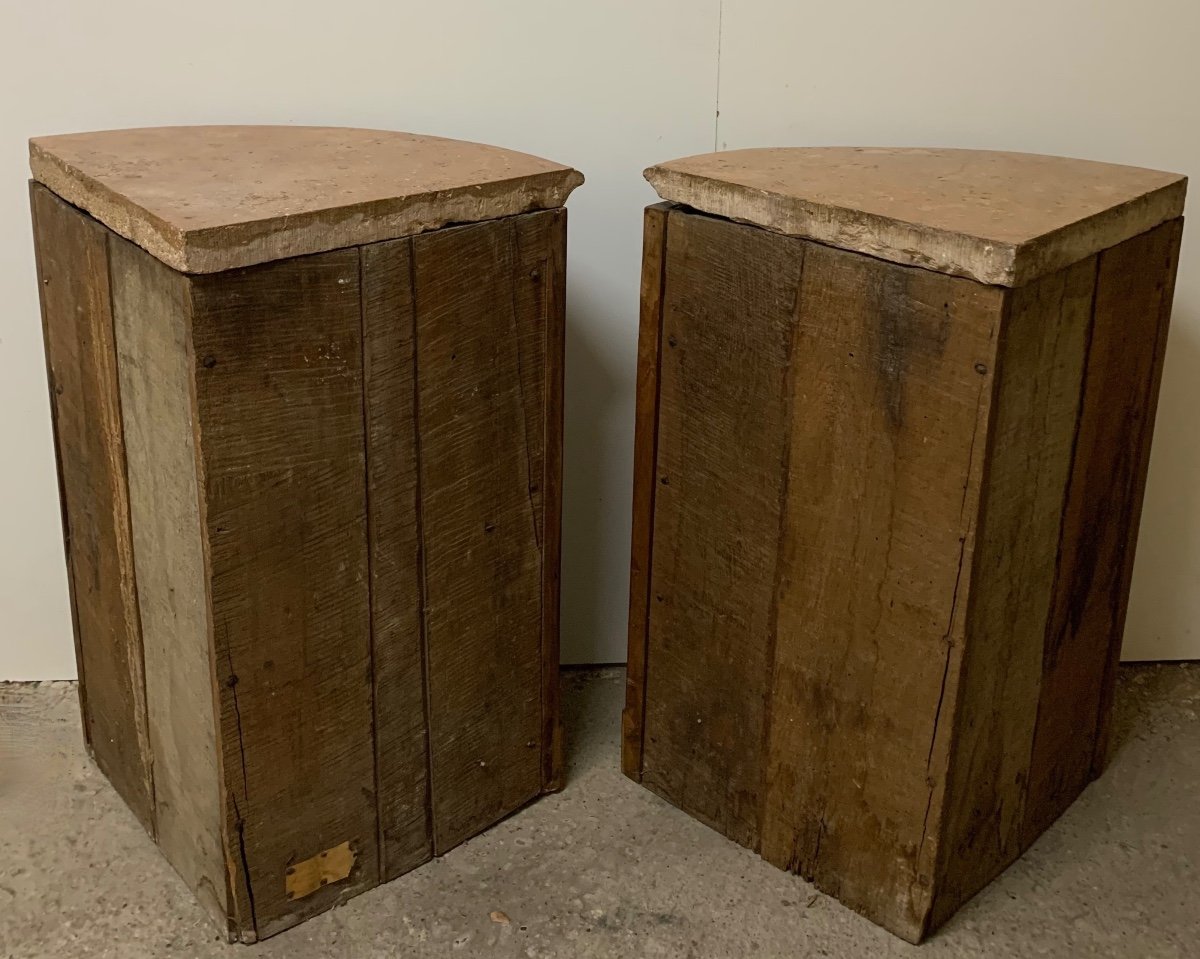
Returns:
(151, 309)
(892, 390)
(1040, 367)
(280, 402)
(1100, 519)
(729, 313)
(401, 741)
(72, 255)
(481, 355)
(654, 238)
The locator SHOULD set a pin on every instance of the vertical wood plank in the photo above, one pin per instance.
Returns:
(279, 389)
(892, 384)
(728, 317)
(1152, 265)
(541, 309)
(152, 320)
(72, 256)
(401, 739)
(1040, 367)
(481, 360)
(1100, 518)
(645, 442)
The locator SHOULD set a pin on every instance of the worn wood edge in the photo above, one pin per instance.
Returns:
(653, 281)
(1100, 752)
(216, 249)
(35, 190)
(242, 923)
(141, 802)
(943, 251)
(1077, 276)
(553, 759)
(948, 723)
(219, 904)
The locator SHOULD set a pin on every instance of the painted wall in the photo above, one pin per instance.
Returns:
(608, 87)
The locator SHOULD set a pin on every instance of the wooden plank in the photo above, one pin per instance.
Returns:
(481, 390)
(645, 442)
(728, 318)
(401, 740)
(152, 320)
(280, 401)
(1040, 366)
(891, 383)
(541, 311)
(1100, 519)
(1137, 278)
(72, 255)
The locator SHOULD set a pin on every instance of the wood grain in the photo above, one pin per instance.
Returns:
(1040, 365)
(72, 256)
(900, 513)
(1137, 279)
(891, 386)
(541, 308)
(152, 320)
(1100, 519)
(401, 741)
(645, 444)
(280, 403)
(481, 361)
(721, 459)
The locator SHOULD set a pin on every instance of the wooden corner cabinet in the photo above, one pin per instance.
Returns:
(306, 387)
(894, 419)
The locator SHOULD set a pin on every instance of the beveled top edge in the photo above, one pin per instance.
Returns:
(209, 198)
(996, 217)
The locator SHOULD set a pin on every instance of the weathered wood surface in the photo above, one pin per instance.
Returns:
(309, 614)
(1136, 286)
(1100, 519)
(280, 407)
(720, 482)
(401, 738)
(892, 377)
(152, 319)
(955, 473)
(541, 305)
(645, 446)
(1040, 361)
(481, 361)
(81, 362)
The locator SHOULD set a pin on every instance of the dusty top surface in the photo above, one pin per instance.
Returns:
(997, 217)
(206, 198)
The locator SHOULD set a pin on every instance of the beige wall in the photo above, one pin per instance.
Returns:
(609, 87)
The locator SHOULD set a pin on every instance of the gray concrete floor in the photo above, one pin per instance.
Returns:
(606, 869)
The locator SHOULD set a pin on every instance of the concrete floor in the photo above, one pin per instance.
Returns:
(606, 869)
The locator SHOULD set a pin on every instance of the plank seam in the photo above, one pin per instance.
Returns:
(789, 401)
(422, 620)
(364, 370)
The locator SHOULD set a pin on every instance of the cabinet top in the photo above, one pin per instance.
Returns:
(209, 198)
(999, 218)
